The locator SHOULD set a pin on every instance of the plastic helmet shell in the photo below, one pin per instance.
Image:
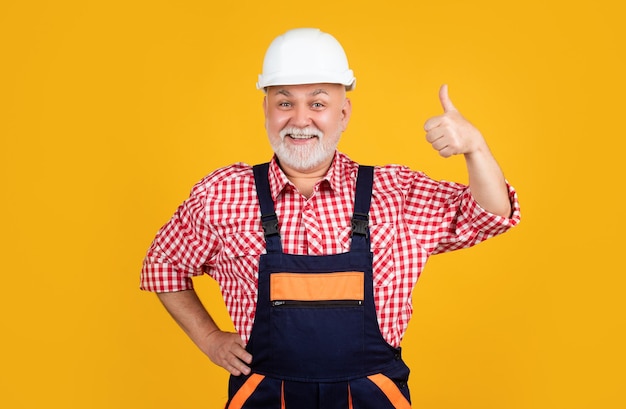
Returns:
(305, 56)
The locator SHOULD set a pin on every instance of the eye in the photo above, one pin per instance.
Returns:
(284, 104)
(317, 105)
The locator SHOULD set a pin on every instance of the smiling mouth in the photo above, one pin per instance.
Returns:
(301, 134)
(296, 136)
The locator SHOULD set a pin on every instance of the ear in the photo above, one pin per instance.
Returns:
(265, 106)
(346, 112)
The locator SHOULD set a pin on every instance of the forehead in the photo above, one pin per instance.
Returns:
(306, 90)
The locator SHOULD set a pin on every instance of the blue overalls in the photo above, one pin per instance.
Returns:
(315, 341)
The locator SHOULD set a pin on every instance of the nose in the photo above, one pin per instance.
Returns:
(301, 116)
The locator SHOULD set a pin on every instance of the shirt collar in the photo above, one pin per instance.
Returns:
(278, 180)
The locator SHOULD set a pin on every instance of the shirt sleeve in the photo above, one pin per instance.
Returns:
(445, 216)
(181, 247)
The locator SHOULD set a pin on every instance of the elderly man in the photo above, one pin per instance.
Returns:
(315, 255)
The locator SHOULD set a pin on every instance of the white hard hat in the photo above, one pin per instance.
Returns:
(305, 56)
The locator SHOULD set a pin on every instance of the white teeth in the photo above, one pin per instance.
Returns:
(301, 133)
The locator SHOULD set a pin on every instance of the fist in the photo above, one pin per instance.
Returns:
(450, 133)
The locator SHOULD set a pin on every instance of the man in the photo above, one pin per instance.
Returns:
(317, 256)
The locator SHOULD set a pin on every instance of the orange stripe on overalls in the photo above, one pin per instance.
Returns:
(245, 391)
(389, 388)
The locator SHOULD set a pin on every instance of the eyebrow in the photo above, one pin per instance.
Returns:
(319, 91)
(312, 93)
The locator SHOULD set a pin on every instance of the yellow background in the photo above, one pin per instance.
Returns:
(111, 110)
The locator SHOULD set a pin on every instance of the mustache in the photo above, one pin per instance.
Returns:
(309, 131)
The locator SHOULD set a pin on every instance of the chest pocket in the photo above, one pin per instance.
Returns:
(317, 323)
(244, 243)
(383, 237)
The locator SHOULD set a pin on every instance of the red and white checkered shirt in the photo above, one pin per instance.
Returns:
(217, 231)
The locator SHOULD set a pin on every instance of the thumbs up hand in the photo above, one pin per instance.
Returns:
(450, 133)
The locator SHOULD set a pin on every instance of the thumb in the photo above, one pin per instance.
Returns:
(446, 103)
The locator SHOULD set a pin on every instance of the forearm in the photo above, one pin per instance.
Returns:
(187, 310)
(225, 349)
(486, 181)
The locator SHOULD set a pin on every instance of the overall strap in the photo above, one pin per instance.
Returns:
(269, 220)
(362, 200)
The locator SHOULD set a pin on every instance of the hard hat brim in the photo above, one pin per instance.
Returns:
(269, 80)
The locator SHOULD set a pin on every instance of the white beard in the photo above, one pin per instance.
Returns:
(303, 157)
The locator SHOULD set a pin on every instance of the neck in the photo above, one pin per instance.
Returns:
(305, 179)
